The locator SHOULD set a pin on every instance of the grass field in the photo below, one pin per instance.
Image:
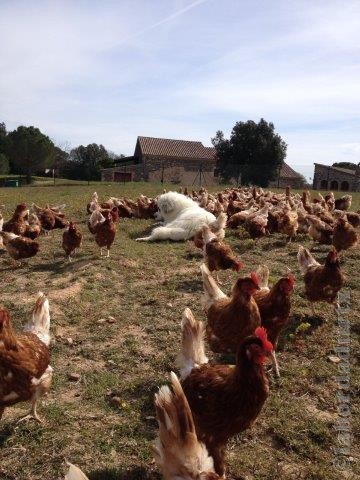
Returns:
(105, 421)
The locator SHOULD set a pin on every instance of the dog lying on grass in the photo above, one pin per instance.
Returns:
(181, 218)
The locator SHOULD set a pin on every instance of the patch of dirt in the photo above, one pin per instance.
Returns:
(321, 414)
(292, 471)
(64, 293)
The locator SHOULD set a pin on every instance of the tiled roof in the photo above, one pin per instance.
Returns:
(287, 172)
(165, 147)
(338, 169)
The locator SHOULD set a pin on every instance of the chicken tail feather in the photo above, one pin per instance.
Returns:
(177, 449)
(219, 223)
(40, 320)
(305, 259)
(262, 274)
(193, 347)
(207, 234)
(212, 292)
(74, 473)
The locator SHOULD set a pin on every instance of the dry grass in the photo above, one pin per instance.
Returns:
(145, 287)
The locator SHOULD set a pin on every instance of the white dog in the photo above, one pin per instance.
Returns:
(181, 218)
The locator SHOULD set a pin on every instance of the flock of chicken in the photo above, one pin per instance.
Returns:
(210, 403)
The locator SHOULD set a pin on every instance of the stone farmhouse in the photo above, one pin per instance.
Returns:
(182, 162)
(336, 178)
(166, 160)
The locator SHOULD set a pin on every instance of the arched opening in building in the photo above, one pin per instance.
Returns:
(324, 185)
(334, 185)
(344, 186)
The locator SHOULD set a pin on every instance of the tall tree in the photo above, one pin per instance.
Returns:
(4, 161)
(4, 164)
(3, 135)
(87, 162)
(29, 151)
(254, 152)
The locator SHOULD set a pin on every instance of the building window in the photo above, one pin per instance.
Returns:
(334, 185)
(324, 185)
(344, 186)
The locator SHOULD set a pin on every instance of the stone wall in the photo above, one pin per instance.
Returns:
(287, 182)
(184, 172)
(327, 178)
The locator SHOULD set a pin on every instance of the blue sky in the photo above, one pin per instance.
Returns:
(108, 71)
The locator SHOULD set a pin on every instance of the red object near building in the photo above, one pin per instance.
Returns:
(122, 177)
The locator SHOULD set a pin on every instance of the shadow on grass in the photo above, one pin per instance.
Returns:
(295, 321)
(275, 244)
(6, 433)
(6, 476)
(193, 255)
(194, 285)
(141, 232)
(136, 473)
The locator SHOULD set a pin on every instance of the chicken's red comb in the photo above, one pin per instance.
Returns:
(239, 265)
(291, 279)
(333, 255)
(255, 278)
(261, 333)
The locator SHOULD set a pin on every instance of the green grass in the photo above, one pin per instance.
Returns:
(145, 287)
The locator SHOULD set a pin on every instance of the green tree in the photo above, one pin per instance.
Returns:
(4, 164)
(254, 153)
(3, 138)
(4, 161)
(86, 162)
(348, 165)
(29, 151)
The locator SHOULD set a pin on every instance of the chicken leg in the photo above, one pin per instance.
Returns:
(275, 364)
(218, 454)
(42, 386)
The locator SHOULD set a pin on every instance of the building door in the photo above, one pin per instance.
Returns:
(122, 177)
(324, 185)
(334, 185)
(344, 186)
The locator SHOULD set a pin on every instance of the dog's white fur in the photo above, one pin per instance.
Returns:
(181, 218)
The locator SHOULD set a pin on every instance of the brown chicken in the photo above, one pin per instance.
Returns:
(17, 223)
(18, 247)
(322, 282)
(319, 230)
(47, 218)
(274, 306)
(25, 373)
(330, 200)
(343, 203)
(224, 400)
(178, 452)
(345, 235)
(60, 222)
(288, 222)
(256, 225)
(217, 227)
(33, 227)
(71, 240)
(217, 254)
(353, 218)
(104, 231)
(230, 319)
